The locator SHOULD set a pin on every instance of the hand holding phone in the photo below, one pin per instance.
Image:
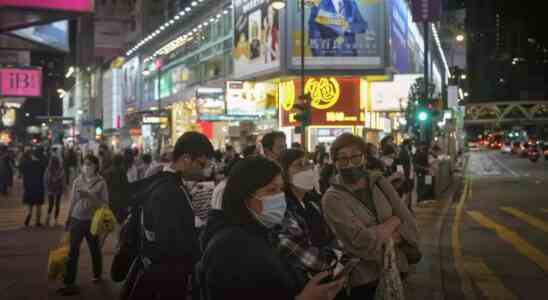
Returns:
(347, 269)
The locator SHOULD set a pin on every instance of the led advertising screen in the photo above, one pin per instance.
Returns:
(65, 5)
(399, 51)
(130, 76)
(250, 99)
(392, 96)
(210, 103)
(256, 37)
(19, 82)
(54, 35)
(340, 34)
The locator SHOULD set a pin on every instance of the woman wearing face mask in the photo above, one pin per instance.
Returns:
(88, 194)
(365, 212)
(239, 261)
(305, 240)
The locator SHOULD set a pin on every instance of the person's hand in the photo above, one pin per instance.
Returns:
(396, 236)
(314, 290)
(384, 231)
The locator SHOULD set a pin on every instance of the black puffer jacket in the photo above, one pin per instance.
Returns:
(239, 263)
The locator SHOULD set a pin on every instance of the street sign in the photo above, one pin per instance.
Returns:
(426, 10)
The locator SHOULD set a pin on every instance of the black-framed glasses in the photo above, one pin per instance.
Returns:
(355, 159)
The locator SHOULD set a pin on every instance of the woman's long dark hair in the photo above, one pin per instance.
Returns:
(247, 176)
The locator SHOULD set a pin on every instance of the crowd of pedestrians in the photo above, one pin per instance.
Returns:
(271, 223)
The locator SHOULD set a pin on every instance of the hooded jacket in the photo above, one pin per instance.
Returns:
(353, 224)
(240, 263)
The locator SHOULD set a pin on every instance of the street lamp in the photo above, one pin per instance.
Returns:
(280, 4)
(460, 37)
(463, 76)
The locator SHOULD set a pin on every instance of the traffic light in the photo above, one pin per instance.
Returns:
(302, 113)
(424, 115)
(98, 129)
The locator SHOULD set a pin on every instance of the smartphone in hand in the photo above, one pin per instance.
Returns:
(347, 269)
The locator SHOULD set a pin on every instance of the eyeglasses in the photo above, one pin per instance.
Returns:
(355, 159)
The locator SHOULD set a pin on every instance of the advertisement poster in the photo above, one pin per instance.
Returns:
(130, 73)
(339, 33)
(250, 99)
(392, 96)
(19, 82)
(256, 37)
(335, 101)
(210, 103)
(415, 44)
(54, 35)
(399, 15)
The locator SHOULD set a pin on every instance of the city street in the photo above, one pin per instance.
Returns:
(498, 232)
(486, 239)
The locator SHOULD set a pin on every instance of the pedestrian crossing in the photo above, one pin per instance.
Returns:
(482, 276)
(14, 218)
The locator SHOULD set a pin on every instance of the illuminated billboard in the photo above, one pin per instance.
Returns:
(349, 34)
(64, 5)
(256, 37)
(392, 96)
(21, 82)
(54, 35)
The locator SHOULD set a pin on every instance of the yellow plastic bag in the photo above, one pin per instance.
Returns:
(103, 222)
(57, 259)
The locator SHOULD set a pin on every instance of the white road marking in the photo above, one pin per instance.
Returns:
(495, 159)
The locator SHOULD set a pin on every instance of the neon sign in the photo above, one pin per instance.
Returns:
(325, 92)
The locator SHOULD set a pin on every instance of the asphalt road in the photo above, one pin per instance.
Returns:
(499, 231)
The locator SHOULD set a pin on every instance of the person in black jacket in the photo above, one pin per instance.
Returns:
(170, 249)
(239, 261)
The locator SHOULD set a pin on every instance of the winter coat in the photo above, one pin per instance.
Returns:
(240, 263)
(54, 180)
(118, 191)
(354, 224)
(33, 170)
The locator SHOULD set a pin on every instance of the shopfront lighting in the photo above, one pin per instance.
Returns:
(225, 12)
(69, 72)
(278, 4)
(465, 94)
(460, 37)
(146, 73)
(187, 9)
(463, 76)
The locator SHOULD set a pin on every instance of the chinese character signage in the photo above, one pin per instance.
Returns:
(334, 101)
(347, 34)
(21, 82)
(256, 37)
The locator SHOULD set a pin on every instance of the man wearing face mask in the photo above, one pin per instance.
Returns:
(305, 240)
(170, 248)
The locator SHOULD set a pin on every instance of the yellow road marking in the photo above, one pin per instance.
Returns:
(485, 279)
(533, 221)
(455, 243)
(514, 239)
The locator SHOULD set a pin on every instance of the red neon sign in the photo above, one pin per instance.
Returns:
(17, 82)
(65, 5)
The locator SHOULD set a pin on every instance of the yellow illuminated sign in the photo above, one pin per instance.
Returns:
(287, 94)
(325, 92)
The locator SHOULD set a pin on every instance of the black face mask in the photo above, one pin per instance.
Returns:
(352, 175)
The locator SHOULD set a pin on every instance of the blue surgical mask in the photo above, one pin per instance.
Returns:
(274, 207)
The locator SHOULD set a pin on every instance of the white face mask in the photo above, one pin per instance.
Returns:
(304, 180)
(274, 207)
